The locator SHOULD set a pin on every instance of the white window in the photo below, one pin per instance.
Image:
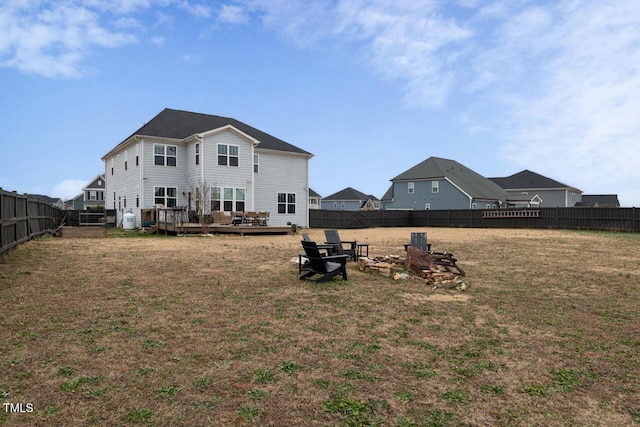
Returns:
(215, 199)
(434, 186)
(165, 155)
(112, 166)
(197, 154)
(256, 162)
(411, 187)
(93, 195)
(167, 196)
(227, 155)
(427, 206)
(474, 206)
(137, 197)
(228, 198)
(126, 159)
(488, 206)
(286, 203)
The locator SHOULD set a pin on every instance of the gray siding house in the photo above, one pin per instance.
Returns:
(543, 191)
(177, 153)
(93, 193)
(350, 199)
(438, 183)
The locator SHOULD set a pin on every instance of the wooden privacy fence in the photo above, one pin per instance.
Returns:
(613, 219)
(22, 219)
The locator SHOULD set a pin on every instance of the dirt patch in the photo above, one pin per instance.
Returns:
(440, 297)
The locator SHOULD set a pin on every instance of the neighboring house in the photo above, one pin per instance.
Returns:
(527, 185)
(177, 154)
(314, 199)
(75, 204)
(350, 199)
(51, 201)
(438, 183)
(94, 193)
(599, 201)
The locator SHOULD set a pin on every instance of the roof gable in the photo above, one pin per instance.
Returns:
(468, 181)
(94, 183)
(178, 124)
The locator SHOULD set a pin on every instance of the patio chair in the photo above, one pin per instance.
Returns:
(251, 217)
(333, 238)
(323, 268)
(263, 218)
(419, 241)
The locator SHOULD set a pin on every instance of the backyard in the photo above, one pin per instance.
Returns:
(218, 330)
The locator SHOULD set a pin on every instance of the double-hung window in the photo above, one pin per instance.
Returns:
(228, 155)
(215, 199)
(434, 186)
(167, 196)
(197, 154)
(286, 203)
(165, 155)
(410, 187)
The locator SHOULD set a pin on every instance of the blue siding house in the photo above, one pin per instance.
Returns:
(350, 199)
(438, 183)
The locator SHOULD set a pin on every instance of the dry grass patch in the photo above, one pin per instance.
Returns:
(220, 331)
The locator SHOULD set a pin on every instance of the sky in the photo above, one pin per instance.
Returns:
(370, 88)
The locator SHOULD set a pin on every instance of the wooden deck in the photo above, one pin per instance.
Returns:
(192, 228)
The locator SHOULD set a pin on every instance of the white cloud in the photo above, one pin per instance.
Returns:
(68, 188)
(233, 15)
(559, 82)
(582, 122)
(53, 38)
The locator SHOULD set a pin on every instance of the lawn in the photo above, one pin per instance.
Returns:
(218, 330)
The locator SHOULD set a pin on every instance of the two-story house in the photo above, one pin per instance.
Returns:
(438, 183)
(350, 199)
(169, 160)
(534, 189)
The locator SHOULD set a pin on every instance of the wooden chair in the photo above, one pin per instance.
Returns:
(326, 267)
(251, 218)
(333, 238)
(263, 218)
(419, 241)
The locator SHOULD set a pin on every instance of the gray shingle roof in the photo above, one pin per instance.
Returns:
(528, 180)
(472, 183)
(350, 194)
(179, 124)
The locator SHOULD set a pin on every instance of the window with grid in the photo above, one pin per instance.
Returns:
(286, 203)
(165, 155)
(167, 196)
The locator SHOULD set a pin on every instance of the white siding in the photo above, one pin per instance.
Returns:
(240, 176)
(122, 185)
(279, 172)
(282, 173)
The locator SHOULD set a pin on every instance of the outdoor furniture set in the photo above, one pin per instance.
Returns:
(327, 260)
(240, 218)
